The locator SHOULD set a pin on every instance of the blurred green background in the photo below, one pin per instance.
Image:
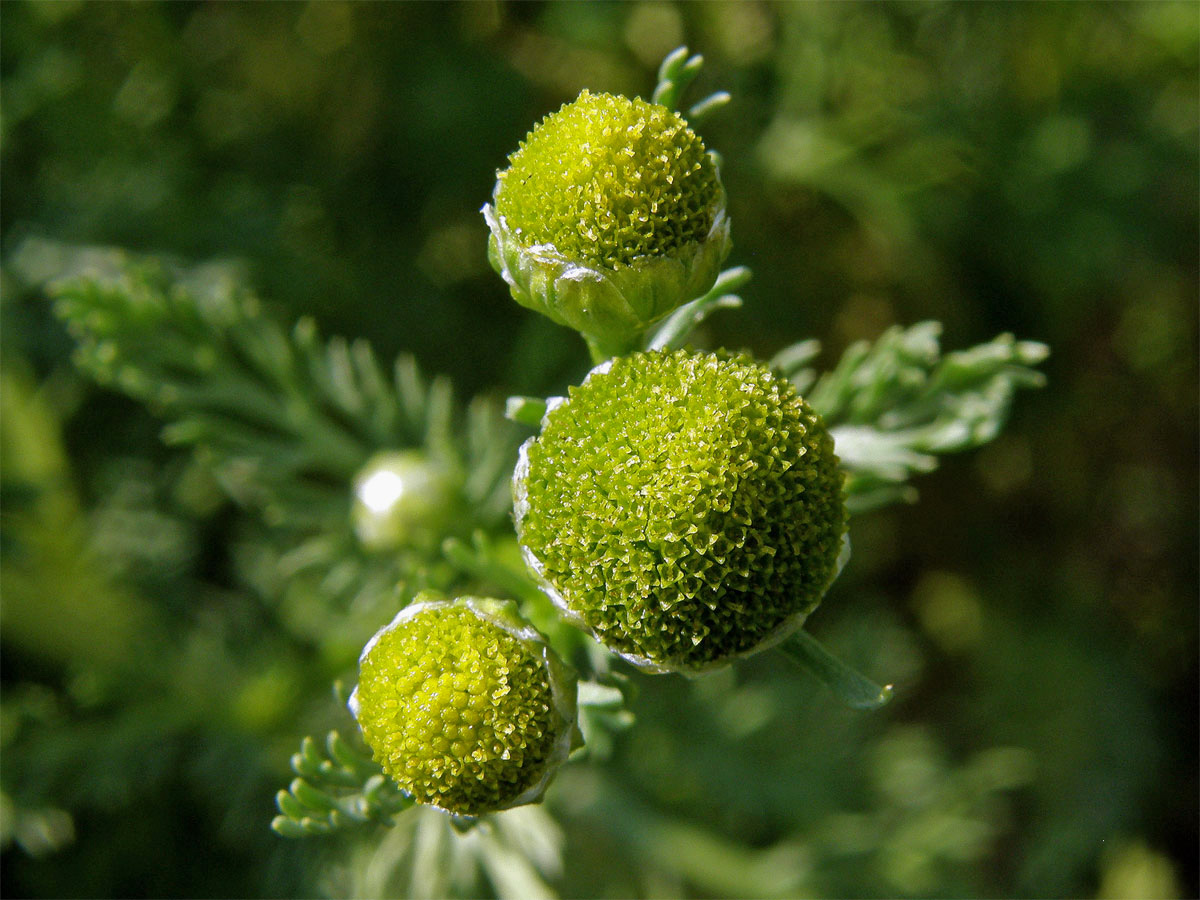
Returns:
(1001, 167)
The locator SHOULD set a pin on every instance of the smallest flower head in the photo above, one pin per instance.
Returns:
(401, 497)
(610, 216)
(464, 705)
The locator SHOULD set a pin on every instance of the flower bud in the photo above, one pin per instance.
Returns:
(685, 508)
(610, 216)
(464, 705)
(400, 497)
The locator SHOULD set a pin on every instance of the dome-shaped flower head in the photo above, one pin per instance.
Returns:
(685, 508)
(464, 705)
(610, 216)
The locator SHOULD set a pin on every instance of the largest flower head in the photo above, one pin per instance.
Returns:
(610, 215)
(685, 508)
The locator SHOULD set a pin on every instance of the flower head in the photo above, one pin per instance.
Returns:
(685, 508)
(465, 706)
(400, 497)
(610, 216)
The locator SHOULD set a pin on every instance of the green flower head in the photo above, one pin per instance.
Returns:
(464, 705)
(685, 508)
(401, 497)
(610, 216)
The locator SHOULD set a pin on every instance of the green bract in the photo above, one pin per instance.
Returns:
(464, 705)
(683, 507)
(610, 216)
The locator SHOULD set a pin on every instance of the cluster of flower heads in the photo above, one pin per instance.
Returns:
(464, 706)
(607, 180)
(683, 507)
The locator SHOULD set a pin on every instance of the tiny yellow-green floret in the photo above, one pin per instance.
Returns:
(685, 508)
(608, 180)
(463, 706)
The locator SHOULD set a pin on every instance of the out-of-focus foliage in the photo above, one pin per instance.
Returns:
(896, 403)
(1023, 168)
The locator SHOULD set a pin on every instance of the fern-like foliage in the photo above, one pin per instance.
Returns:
(676, 73)
(335, 789)
(284, 419)
(287, 417)
(894, 406)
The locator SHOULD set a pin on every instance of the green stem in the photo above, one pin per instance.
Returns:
(595, 350)
(853, 689)
(602, 351)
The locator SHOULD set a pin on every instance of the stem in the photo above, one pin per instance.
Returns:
(602, 351)
(595, 350)
(853, 689)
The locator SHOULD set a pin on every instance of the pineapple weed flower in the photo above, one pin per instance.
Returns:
(464, 705)
(610, 216)
(685, 508)
(400, 497)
